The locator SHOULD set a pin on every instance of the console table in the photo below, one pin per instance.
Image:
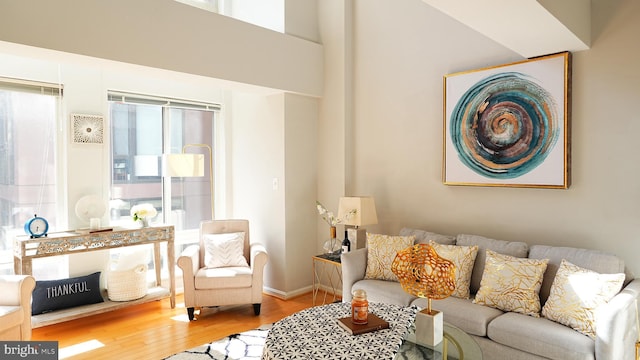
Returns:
(69, 242)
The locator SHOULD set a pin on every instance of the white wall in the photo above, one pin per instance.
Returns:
(403, 48)
(274, 172)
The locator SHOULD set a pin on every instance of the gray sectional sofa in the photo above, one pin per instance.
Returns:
(514, 336)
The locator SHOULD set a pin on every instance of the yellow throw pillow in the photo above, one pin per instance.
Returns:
(511, 284)
(463, 257)
(381, 250)
(576, 294)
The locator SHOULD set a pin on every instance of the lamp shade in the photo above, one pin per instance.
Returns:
(364, 206)
(183, 165)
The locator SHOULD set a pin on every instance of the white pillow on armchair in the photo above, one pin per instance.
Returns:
(222, 250)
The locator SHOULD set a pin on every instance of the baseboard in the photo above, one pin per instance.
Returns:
(285, 295)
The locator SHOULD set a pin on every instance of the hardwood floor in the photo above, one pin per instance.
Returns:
(154, 330)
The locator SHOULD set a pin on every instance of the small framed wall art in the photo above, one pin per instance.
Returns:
(87, 129)
(508, 125)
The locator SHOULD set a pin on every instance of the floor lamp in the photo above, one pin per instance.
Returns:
(365, 214)
(189, 165)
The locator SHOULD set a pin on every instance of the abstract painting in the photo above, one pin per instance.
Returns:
(508, 125)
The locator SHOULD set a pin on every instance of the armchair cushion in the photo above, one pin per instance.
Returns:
(11, 316)
(226, 277)
(225, 249)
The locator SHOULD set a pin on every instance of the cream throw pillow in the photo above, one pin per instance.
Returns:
(576, 294)
(511, 284)
(381, 250)
(463, 257)
(222, 250)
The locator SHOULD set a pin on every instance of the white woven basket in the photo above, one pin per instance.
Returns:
(127, 285)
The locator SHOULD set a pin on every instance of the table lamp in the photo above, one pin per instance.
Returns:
(365, 214)
(423, 273)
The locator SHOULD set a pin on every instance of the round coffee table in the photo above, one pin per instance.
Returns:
(456, 345)
(314, 333)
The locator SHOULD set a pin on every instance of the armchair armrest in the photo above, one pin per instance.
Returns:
(189, 260)
(259, 257)
(617, 332)
(189, 263)
(354, 266)
(16, 291)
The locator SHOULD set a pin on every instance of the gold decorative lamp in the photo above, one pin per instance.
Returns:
(365, 214)
(423, 273)
(189, 165)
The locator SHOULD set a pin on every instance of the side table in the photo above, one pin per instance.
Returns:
(329, 266)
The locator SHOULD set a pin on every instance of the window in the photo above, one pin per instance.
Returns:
(142, 129)
(28, 118)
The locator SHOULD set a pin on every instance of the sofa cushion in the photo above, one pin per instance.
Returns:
(597, 261)
(381, 250)
(463, 257)
(423, 237)
(512, 248)
(541, 336)
(463, 313)
(511, 284)
(577, 293)
(381, 291)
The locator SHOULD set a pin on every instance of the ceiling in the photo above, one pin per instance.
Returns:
(528, 27)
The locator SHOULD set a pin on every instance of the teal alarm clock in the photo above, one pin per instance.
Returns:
(36, 227)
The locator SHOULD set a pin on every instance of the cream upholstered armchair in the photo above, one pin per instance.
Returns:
(221, 272)
(15, 307)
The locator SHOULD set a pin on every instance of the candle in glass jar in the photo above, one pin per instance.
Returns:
(359, 307)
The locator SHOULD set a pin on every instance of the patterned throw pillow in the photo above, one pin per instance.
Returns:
(511, 284)
(381, 250)
(463, 258)
(576, 294)
(223, 250)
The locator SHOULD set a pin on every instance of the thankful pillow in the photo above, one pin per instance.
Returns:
(222, 250)
(381, 250)
(463, 257)
(50, 295)
(511, 284)
(576, 294)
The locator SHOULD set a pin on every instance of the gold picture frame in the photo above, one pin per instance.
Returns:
(509, 125)
(87, 129)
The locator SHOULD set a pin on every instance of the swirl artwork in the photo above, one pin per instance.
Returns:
(508, 125)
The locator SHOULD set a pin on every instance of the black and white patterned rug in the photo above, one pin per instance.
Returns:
(246, 345)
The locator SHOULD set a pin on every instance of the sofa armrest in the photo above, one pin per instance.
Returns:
(354, 266)
(617, 332)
